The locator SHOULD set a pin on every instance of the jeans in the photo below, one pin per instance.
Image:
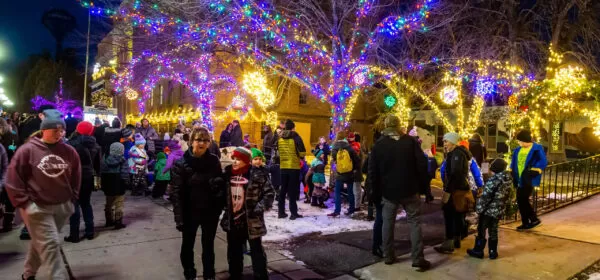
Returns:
(453, 221)
(378, 226)
(209, 224)
(527, 213)
(290, 185)
(339, 185)
(412, 206)
(85, 194)
(45, 223)
(357, 190)
(490, 224)
(235, 255)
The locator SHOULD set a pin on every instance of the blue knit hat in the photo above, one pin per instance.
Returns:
(139, 139)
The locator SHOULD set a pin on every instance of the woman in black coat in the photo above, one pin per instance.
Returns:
(198, 197)
(225, 139)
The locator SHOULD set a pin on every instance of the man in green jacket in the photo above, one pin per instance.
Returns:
(291, 150)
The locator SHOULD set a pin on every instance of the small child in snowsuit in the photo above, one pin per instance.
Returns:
(114, 175)
(249, 195)
(317, 175)
(162, 176)
(138, 161)
(491, 206)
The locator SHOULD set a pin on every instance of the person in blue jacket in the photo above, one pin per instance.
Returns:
(528, 163)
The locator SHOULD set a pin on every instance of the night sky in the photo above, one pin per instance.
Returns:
(22, 32)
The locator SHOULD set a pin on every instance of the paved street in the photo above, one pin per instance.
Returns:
(148, 248)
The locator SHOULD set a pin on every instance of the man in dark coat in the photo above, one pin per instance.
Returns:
(398, 174)
(33, 125)
(236, 134)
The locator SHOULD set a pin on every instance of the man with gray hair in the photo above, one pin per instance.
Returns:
(398, 174)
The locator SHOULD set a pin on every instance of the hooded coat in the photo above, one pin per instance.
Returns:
(159, 168)
(291, 149)
(114, 175)
(89, 155)
(397, 167)
(457, 170)
(496, 193)
(534, 166)
(348, 176)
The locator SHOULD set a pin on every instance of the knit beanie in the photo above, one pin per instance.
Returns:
(498, 165)
(85, 128)
(116, 149)
(289, 125)
(392, 121)
(52, 120)
(524, 136)
(242, 154)
(139, 139)
(257, 153)
(126, 133)
(452, 137)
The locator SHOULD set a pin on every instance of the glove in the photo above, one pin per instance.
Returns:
(532, 173)
(179, 228)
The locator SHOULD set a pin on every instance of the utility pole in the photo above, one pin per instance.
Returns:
(87, 59)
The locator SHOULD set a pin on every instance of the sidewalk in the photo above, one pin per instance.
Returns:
(147, 249)
(566, 243)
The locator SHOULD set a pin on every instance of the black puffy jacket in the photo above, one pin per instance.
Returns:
(198, 188)
(89, 155)
(397, 167)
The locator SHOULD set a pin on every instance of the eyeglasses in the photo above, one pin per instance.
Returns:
(202, 140)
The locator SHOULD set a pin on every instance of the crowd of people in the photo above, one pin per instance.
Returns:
(50, 178)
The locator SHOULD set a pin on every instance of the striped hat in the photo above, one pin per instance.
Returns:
(242, 154)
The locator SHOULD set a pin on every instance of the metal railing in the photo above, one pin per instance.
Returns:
(565, 183)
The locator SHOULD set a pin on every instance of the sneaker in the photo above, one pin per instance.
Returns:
(282, 216)
(72, 239)
(296, 216)
(522, 227)
(422, 265)
(333, 214)
(533, 224)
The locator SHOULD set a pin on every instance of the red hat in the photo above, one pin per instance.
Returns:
(85, 128)
(351, 136)
(242, 154)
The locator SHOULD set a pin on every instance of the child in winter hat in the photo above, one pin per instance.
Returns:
(114, 182)
(85, 128)
(116, 149)
(139, 140)
(242, 154)
(258, 159)
(491, 205)
(52, 120)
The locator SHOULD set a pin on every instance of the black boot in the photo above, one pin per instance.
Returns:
(493, 249)
(109, 219)
(72, 239)
(119, 224)
(457, 242)
(477, 251)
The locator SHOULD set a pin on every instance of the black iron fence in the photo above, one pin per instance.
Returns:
(565, 183)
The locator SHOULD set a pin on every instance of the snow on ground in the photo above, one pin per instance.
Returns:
(315, 221)
(594, 276)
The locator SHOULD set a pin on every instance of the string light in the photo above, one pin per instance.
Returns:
(131, 94)
(255, 84)
(449, 94)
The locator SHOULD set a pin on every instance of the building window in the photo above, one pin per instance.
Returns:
(440, 135)
(489, 133)
(162, 91)
(303, 99)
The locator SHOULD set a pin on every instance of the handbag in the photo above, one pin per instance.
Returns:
(463, 201)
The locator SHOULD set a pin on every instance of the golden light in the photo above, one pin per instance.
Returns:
(255, 84)
(131, 94)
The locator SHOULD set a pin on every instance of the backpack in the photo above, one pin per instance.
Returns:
(343, 161)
